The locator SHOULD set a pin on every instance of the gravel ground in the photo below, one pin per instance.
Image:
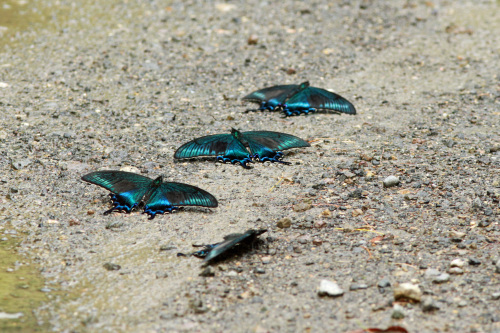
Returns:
(121, 85)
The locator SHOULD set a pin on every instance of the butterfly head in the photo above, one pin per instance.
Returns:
(304, 85)
(237, 134)
(158, 181)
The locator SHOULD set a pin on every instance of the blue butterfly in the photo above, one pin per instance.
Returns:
(129, 189)
(262, 146)
(294, 100)
(214, 251)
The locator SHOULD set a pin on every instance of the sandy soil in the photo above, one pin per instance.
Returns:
(121, 85)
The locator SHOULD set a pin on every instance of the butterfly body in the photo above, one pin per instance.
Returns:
(215, 251)
(294, 100)
(241, 147)
(128, 190)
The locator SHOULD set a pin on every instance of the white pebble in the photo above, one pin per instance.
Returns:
(329, 288)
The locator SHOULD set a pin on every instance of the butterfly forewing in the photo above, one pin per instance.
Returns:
(129, 186)
(273, 140)
(211, 145)
(274, 92)
(275, 95)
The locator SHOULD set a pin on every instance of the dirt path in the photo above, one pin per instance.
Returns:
(122, 85)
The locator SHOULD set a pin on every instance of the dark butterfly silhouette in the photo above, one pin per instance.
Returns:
(294, 100)
(215, 251)
(263, 145)
(129, 189)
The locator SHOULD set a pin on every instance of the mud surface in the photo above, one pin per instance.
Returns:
(121, 85)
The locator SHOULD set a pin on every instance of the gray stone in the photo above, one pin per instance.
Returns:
(428, 304)
(391, 181)
(456, 270)
(384, 283)
(398, 312)
(356, 286)
(442, 278)
(329, 288)
(260, 270)
(495, 296)
(431, 272)
(20, 164)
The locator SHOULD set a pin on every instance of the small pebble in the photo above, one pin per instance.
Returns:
(111, 267)
(356, 286)
(208, 271)
(474, 262)
(398, 312)
(456, 270)
(391, 181)
(302, 207)
(260, 270)
(161, 275)
(429, 305)
(384, 283)
(442, 278)
(266, 260)
(329, 288)
(285, 222)
(431, 272)
(319, 224)
(408, 291)
(457, 263)
(495, 296)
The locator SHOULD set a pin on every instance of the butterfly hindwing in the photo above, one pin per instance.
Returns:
(231, 241)
(312, 99)
(128, 188)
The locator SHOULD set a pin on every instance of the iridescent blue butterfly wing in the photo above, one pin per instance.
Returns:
(224, 146)
(168, 196)
(271, 97)
(231, 241)
(267, 145)
(127, 188)
(313, 99)
(210, 145)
